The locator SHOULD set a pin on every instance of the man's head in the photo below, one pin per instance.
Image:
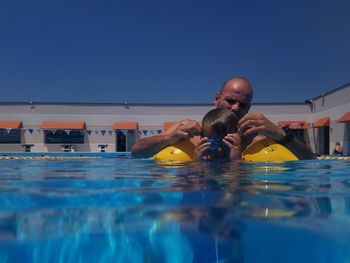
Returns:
(236, 95)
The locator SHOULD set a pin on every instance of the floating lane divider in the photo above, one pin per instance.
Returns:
(325, 157)
(44, 157)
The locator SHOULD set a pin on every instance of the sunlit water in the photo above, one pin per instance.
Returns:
(126, 210)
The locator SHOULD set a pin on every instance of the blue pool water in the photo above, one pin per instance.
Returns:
(125, 210)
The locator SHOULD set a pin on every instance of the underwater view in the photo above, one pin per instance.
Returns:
(129, 210)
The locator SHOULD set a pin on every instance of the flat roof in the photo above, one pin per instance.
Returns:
(136, 104)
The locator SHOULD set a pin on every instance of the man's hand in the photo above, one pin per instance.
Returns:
(257, 123)
(149, 146)
(233, 141)
(183, 130)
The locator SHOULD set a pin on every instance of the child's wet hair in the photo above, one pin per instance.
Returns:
(219, 122)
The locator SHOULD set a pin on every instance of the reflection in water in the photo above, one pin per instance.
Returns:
(125, 210)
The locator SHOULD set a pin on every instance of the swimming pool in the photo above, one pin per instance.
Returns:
(125, 210)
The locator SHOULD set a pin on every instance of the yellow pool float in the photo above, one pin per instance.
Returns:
(181, 151)
(266, 150)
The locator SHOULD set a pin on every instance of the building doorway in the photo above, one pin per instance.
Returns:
(125, 140)
(322, 146)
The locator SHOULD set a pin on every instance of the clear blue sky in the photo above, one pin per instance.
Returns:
(180, 51)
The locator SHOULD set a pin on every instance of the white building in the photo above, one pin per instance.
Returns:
(92, 127)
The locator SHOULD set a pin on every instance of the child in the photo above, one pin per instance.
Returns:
(219, 127)
(338, 149)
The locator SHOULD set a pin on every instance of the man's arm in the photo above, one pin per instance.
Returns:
(296, 146)
(183, 130)
(149, 146)
(259, 124)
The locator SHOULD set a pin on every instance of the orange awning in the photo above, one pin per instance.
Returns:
(168, 124)
(293, 124)
(322, 122)
(345, 117)
(125, 125)
(11, 124)
(63, 125)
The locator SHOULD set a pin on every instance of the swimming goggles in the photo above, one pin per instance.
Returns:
(215, 143)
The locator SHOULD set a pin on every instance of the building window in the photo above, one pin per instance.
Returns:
(10, 136)
(121, 141)
(323, 140)
(64, 136)
(125, 140)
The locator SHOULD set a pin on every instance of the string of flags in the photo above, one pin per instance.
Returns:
(88, 132)
(150, 132)
(8, 130)
(295, 125)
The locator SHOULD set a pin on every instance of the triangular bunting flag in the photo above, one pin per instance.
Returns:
(88, 132)
(159, 131)
(103, 132)
(96, 132)
(144, 132)
(110, 133)
(31, 130)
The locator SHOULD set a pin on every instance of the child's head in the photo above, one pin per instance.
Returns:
(218, 123)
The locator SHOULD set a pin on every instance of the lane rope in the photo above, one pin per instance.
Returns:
(45, 157)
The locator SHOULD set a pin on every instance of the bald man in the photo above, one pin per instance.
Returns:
(235, 94)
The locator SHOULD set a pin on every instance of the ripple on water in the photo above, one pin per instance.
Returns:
(144, 211)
